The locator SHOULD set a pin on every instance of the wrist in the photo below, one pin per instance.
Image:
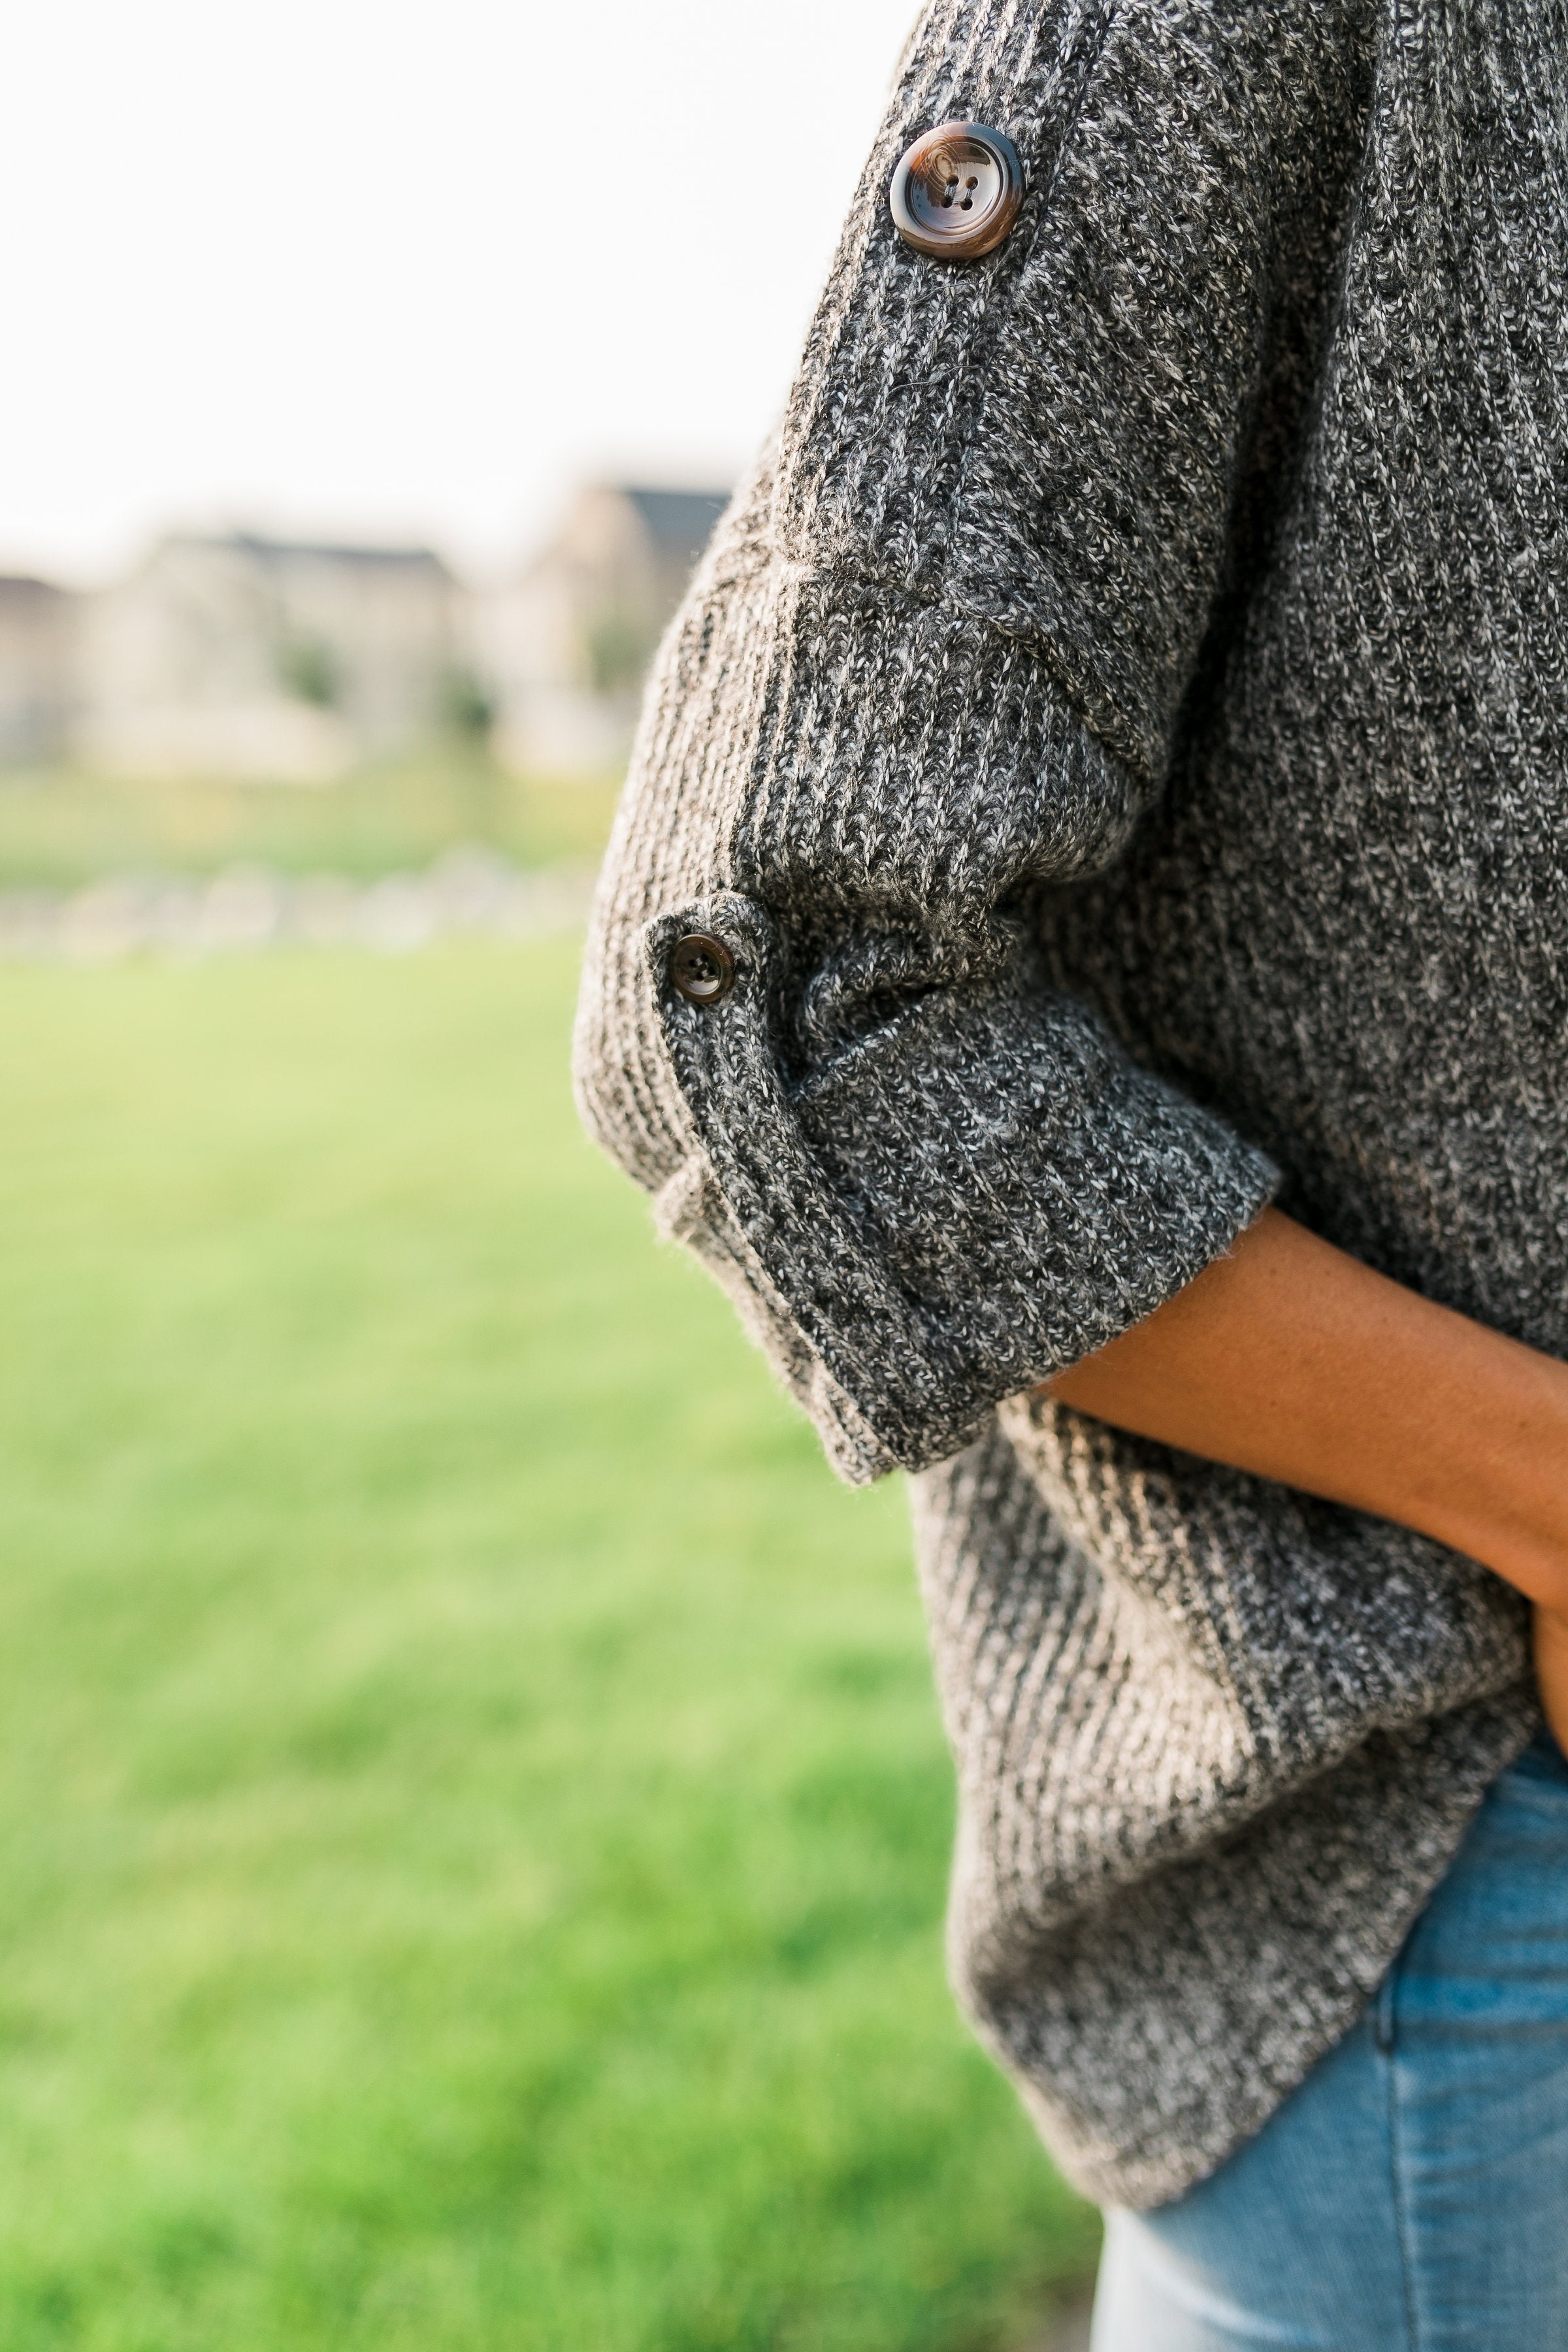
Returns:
(1501, 1493)
(1551, 1648)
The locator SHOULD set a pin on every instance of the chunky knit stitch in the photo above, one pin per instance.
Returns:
(1120, 731)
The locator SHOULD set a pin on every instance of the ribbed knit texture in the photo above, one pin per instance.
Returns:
(1120, 731)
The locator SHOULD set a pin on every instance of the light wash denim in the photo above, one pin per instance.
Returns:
(1412, 2195)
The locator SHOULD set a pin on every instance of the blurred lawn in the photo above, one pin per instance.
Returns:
(474, 1823)
(59, 830)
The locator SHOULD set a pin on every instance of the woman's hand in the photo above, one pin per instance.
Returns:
(1551, 1671)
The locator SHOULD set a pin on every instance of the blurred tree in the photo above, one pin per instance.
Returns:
(307, 668)
(618, 643)
(466, 709)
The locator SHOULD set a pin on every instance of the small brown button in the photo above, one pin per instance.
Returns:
(957, 191)
(702, 968)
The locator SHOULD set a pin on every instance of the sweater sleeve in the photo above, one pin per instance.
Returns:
(933, 665)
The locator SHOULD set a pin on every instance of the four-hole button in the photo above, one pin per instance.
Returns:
(957, 191)
(701, 968)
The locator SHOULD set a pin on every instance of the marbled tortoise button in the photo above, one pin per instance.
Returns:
(701, 968)
(957, 191)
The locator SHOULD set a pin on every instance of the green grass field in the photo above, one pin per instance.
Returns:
(58, 830)
(474, 1820)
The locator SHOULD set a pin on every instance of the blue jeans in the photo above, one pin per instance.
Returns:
(1412, 2195)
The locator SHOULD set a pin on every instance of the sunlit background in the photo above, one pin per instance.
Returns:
(359, 267)
(474, 1820)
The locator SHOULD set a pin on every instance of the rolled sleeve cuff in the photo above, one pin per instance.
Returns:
(985, 1191)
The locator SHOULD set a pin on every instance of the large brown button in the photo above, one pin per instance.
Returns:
(702, 968)
(957, 191)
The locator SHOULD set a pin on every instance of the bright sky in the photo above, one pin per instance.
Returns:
(371, 267)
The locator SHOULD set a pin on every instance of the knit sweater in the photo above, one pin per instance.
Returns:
(1119, 735)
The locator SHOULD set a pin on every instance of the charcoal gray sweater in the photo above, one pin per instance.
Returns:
(1119, 735)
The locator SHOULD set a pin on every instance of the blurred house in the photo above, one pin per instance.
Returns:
(234, 653)
(37, 646)
(243, 656)
(564, 647)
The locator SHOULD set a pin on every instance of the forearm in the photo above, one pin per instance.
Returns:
(1292, 1360)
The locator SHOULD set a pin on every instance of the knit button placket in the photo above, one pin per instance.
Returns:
(956, 192)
